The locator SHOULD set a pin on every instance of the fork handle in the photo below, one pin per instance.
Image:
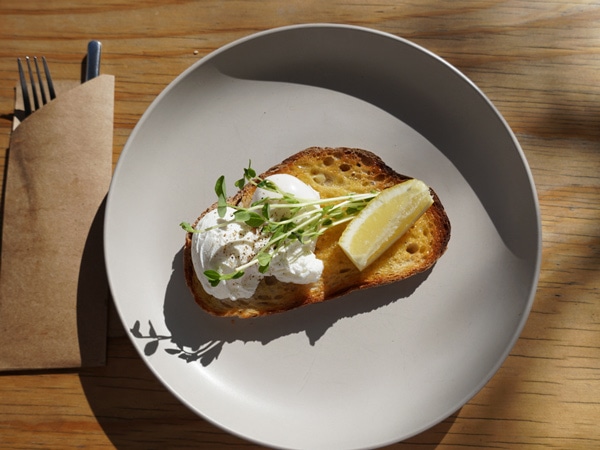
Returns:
(94, 51)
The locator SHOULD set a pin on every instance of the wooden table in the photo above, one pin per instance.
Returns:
(538, 61)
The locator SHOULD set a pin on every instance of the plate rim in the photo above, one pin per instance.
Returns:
(307, 26)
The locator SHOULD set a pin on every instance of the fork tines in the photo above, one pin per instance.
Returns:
(34, 88)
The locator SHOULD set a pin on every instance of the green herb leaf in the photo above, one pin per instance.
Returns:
(220, 187)
(187, 227)
(300, 220)
(221, 196)
(264, 260)
(222, 207)
(266, 210)
(240, 183)
(249, 174)
(241, 215)
(214, 277)
(250, 218)
(255, 220)
(268, 185)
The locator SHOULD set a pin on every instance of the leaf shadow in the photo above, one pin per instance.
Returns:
(199, 336)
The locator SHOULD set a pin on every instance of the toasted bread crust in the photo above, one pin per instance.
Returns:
(333, 172)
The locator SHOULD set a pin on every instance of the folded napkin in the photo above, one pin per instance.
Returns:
(53, 288)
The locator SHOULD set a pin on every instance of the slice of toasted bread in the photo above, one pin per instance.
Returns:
(333, 172)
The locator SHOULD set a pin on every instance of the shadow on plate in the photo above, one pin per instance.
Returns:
(419, 89)
(135, 411)
(199, 336)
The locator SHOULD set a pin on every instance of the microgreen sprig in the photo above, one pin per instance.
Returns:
(302, 220)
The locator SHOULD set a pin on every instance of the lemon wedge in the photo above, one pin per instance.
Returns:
(384, 220)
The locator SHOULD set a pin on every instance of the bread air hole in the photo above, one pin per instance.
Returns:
(319, 178)
(324, 179)
(412, 248)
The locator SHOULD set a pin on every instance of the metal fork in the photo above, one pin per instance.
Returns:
(23, 81)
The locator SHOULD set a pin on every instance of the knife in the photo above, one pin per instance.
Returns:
(94, 51)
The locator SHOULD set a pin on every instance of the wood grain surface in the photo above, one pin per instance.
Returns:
(538, 61)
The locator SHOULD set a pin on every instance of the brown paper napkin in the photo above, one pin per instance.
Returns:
(53, 289)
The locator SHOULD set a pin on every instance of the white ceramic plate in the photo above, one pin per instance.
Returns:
(370, 368)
